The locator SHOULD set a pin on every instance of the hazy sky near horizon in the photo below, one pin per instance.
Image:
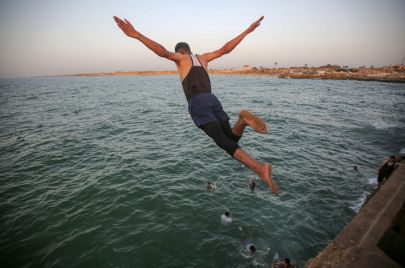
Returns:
(47, 37)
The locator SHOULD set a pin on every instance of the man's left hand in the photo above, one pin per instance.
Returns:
(254, 25)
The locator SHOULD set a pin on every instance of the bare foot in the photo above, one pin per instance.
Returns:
(254, 121)
(265, 175)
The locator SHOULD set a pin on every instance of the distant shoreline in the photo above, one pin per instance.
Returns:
(395, 73)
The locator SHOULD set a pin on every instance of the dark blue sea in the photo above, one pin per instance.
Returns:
(112, 172)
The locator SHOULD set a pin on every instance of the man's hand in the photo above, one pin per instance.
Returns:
(129, 30)
(254, 25)
(229, 46)
(127, 27)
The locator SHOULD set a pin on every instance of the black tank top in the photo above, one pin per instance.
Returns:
(197, 80)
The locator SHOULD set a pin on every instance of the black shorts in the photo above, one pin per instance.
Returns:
(223, 136)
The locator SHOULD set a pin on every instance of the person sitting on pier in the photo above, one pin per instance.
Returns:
(386, 169)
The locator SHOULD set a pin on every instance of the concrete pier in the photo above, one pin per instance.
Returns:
(376, 235)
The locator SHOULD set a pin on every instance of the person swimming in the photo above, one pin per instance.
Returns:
(256, 256)
(210, 186)
(251, 249)
(252, 185)
(226, 218)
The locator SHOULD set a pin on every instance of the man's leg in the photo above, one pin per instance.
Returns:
(262, 170)
(226, 127)
(245, 119)
(216, 132)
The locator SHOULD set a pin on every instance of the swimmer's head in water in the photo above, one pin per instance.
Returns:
(287, 260)
(227, 214)
(252, 185)
(183, 48)
(252, 248)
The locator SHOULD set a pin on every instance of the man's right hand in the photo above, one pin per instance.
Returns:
(127, 27)
(157, 48)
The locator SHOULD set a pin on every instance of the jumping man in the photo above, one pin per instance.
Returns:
(204, 108)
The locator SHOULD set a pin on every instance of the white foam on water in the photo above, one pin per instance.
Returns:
(226, 220)
(381, 124)
(372, 181)
(359, 202)
(276, 257)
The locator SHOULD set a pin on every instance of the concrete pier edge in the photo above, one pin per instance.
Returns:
(357, 243)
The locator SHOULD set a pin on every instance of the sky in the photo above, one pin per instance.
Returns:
(51, 37)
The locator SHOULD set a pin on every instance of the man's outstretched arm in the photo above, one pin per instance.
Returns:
(130, 31)
(229, 46)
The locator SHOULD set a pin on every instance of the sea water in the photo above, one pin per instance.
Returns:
(111, 171)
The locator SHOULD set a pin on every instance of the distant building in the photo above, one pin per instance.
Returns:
(395, 68)
(247, 67)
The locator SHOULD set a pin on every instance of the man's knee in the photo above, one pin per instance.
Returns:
(217, 133)
(241, 112)
(228, 145)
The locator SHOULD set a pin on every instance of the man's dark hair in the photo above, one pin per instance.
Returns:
(252, 248)
(227, 213)
(182, 45)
